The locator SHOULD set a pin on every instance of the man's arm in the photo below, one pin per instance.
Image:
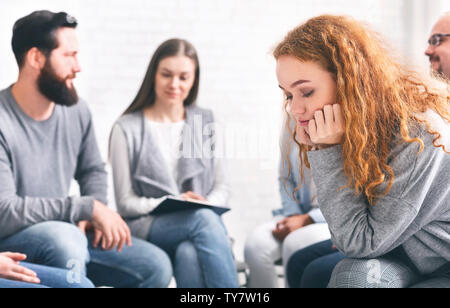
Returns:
(17, 213)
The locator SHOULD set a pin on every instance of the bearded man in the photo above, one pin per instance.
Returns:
(438, 50)
(47, 139)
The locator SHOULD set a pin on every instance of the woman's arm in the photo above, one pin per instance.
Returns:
(287, 185)
(363, 231)
(127, 202)
(220, 193)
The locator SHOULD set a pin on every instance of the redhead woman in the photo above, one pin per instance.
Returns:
(376, 138)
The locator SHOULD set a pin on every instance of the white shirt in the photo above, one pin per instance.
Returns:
(168, 136)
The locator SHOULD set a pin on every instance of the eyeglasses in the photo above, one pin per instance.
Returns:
(436, 39)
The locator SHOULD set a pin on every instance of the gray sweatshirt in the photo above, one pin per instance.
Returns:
(415, 214)
(38, 160)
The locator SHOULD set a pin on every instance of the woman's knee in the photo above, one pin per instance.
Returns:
(186, 251)
(374, 273)
(205, 216)
(291, 244)
(207, 221)
(158, 269)
(261, 247)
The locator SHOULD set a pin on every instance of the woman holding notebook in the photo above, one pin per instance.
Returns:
(162, 147)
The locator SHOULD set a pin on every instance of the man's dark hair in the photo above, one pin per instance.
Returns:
(38, 30)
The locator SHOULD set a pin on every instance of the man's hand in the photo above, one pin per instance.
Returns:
(328, 126)
(10, 268)
(290, 224)
(86, 226)
(110, 227)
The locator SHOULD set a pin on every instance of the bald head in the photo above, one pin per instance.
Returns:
(443, 24)
(439, 54)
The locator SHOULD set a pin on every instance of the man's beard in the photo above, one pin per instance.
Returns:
(55, 88)
(438, 71)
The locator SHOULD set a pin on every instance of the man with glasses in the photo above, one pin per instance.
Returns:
(439, 47)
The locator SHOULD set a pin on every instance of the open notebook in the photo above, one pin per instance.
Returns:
(173, 204)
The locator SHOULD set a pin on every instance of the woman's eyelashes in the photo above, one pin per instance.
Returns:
(182, 77)
(306, 94)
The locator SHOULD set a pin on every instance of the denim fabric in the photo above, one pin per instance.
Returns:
(63, 245)
(50, 277)
(213, 265)
(312, 266)
(187, 268)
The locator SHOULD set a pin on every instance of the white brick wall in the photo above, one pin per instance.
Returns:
(234, 39)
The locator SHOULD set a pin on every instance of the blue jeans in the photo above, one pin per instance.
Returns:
(63, 245)
(50, 277)
(312, 266)
(197, 242)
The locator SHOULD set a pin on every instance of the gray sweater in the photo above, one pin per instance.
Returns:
(38, 160)
(415, 214)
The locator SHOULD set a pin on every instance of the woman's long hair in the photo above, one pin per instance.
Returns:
(146, 96)
(380, 97)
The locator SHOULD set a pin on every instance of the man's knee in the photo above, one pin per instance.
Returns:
(64, 245)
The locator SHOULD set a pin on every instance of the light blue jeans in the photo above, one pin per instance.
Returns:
(63, 245)
(197, 242)
(50, 277)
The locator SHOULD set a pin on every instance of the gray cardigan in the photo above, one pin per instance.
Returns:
(415, 215)
(149, 177)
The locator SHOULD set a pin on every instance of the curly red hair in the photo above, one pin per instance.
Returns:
(380, 97)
